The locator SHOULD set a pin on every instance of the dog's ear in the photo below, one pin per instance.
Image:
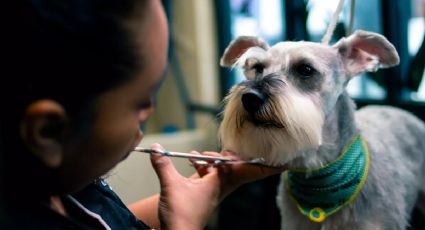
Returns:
(238, 46)
(366, 52)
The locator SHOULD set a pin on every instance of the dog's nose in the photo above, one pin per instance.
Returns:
(253, 100)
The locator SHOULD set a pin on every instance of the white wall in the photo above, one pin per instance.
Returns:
(195, 45)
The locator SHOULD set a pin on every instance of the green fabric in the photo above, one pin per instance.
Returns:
(321, 192)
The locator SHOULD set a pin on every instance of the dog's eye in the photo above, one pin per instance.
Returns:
(258, 68)
(305, 70)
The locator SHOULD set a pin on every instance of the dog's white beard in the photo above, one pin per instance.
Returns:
(302, 128)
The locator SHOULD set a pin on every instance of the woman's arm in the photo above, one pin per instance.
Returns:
(146, 210)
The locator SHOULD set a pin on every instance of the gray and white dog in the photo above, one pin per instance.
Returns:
(293, 109)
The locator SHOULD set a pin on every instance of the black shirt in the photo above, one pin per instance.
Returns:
(99, 198)
(94, 207)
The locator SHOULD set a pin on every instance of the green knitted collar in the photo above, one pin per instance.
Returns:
(321, 192)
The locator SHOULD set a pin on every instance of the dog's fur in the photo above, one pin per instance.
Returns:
(308, 119)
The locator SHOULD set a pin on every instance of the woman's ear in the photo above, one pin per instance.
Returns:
(42, 129)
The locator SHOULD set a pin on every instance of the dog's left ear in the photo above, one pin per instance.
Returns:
(366, 52)
(238, 47)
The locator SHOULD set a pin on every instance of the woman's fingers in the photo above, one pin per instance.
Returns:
(163, 166)
(201, 169)
(157, 147)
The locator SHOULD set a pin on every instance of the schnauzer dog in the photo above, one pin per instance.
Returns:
(347, 169)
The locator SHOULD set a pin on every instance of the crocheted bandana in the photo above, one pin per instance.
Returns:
(321, 192)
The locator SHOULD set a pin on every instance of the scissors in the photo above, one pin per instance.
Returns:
(201, 160)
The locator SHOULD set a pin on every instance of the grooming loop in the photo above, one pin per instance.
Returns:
(331, 28)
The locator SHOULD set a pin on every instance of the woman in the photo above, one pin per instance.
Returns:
(83, 75)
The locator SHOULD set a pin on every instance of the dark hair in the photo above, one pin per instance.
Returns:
(72, 50)
(69, 51)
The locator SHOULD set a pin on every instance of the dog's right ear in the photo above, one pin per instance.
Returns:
(238, 47)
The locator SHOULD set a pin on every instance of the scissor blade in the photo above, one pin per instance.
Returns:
(182, 155)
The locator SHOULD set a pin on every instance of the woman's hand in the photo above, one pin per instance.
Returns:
(187, 203)
(233, 175)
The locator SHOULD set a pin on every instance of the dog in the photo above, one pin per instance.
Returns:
(348, 169)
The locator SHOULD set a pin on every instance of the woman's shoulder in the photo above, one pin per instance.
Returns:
(98, 197)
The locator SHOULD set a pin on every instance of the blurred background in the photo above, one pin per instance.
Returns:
(189, 103)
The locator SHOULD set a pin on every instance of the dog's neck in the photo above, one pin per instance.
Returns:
(338, 132)
(322, 192)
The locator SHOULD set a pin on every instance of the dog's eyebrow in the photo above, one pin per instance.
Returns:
(304, 60)
(253, 61)
(253, 52)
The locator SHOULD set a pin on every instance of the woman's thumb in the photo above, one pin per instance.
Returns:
(163, 166)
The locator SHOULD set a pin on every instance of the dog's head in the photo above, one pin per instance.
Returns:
(290, 88)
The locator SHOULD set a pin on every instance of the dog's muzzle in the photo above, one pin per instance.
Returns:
(257, 100)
